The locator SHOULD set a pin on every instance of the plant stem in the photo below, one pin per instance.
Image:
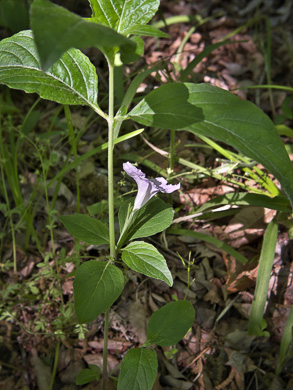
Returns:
(111, 205)
(55, 365)
(110, 161)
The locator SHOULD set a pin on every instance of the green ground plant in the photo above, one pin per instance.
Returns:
(47, 60)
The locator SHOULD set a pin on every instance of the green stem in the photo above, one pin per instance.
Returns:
(111, 204)
(55, 365)
(110, 161)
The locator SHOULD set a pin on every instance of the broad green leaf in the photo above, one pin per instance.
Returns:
(106, 12)
(86, 229)
(145, 30)
(145, 258)
(169, 324)
(255, 323)
(153, 218)
(96, 287)
(138, 370)
(56, 30)
(135, 12)
(280, 203)
(139, 45)
(71, 80)
(210, 111)
(88, 375)
(12, 19)
(123, 14)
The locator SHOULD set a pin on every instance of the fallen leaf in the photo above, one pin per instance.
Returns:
(137, 318)
(240, 277)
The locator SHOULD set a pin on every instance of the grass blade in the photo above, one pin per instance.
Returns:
(256, 322)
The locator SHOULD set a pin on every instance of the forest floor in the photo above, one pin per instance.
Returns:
(37, 322)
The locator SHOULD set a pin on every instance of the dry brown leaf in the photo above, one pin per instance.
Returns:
(279, 319)
(114, 346)
(137, 318)
(154, 307)
(240, 277)
(243, 309)
(97, 360)
(213, 295)
(247, 225)
(200, 195)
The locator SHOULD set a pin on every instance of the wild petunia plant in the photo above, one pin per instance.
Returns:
(47, 61)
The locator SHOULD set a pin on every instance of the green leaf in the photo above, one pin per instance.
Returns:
(138, 370)
(210, 111)
(96, 287)
(145, 258)
(263, 278)
(72, 80)
(103, 206)
(88, 375)
(56, 30)
(135, 12)
(122, 14)
(139, 45)
(145, 30)
(153, 218)
(169, 324)
(286, 348)
(86, 229)
(105, 12)
(15, 21)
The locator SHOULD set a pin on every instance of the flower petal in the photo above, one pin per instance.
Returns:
(147, 188)
(163, 185)
(132, 171)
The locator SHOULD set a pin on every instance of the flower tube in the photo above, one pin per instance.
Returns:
(147, 188)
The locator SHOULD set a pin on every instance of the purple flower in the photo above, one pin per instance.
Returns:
(147, 188)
